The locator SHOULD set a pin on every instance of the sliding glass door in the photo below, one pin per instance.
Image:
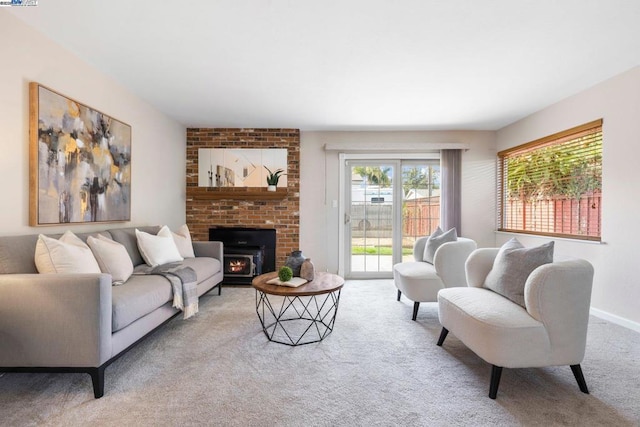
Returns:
(420, 202)
(370, 218)
(389, 203)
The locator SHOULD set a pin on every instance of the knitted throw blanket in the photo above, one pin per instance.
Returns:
(183, 283)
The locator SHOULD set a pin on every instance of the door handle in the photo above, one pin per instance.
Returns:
(347, 218)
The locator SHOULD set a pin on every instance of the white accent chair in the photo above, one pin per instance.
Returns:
(420, 281)
(550, 331)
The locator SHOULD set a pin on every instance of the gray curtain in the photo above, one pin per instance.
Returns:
(451, 174)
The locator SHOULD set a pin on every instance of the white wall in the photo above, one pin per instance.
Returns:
(158, 143)
(319, 185)
(616, 291)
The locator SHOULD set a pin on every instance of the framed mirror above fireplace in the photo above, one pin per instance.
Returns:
(240, 167)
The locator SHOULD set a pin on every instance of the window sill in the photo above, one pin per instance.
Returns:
(547, 238)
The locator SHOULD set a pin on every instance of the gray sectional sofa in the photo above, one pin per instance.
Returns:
(80, 322)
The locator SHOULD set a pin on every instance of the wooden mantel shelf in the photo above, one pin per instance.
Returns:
(235, 193)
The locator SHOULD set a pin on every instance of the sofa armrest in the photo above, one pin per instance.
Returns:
(418, 248)
(209, 249)
(55, 320)
(479, 264)
(449, 260)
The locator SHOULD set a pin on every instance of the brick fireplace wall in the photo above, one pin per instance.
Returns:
(281, 214)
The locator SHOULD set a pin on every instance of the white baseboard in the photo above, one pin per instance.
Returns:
(634, 326)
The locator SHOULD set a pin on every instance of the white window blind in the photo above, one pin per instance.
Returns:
(553, 186)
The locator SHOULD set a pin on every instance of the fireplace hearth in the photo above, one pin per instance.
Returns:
(248, 252)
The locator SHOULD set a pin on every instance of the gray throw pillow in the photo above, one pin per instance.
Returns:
(437, 239)
(512, 267)
(437, 232)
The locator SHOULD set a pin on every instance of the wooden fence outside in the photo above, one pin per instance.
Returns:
(420, 216)
(557, 215)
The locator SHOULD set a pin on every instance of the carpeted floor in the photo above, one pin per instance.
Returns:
(377, 368)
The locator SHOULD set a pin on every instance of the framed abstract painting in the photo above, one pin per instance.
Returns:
(79, 162)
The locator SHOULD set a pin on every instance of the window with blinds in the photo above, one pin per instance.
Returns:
(553, 186)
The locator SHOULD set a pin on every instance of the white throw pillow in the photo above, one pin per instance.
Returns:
(182, 239)
(159, 249)
(112, 258)
(69, 254)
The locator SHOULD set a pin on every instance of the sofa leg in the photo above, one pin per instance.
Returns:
(97, 378)
(219, 288)
(443, 335)
(496, 372)
(399, 294)
(577, 372)
(416, 305)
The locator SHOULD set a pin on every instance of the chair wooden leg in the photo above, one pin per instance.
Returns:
(416, 305)
(577, 372)
(443, 335)
(496, 372)
(97, 379)
(399, 294)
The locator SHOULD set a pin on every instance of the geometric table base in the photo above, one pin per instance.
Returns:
(297, 320)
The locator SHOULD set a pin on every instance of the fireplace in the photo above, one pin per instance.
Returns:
(248, 252)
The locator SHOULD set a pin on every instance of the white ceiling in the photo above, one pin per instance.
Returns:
(348, 64)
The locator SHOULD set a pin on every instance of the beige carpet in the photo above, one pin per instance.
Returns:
(377, 368)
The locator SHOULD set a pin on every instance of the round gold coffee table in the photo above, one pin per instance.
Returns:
(296, 316)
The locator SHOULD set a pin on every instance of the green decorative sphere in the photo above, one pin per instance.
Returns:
(285, 274)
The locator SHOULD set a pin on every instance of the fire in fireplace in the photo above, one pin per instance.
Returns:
(243, 262)
(248, 252)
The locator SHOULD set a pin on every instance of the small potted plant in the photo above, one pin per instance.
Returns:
(273, 178)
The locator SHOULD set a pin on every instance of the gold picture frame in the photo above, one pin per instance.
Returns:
(79, 162)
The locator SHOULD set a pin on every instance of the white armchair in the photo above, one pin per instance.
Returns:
(550, 331)
(420, 281)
